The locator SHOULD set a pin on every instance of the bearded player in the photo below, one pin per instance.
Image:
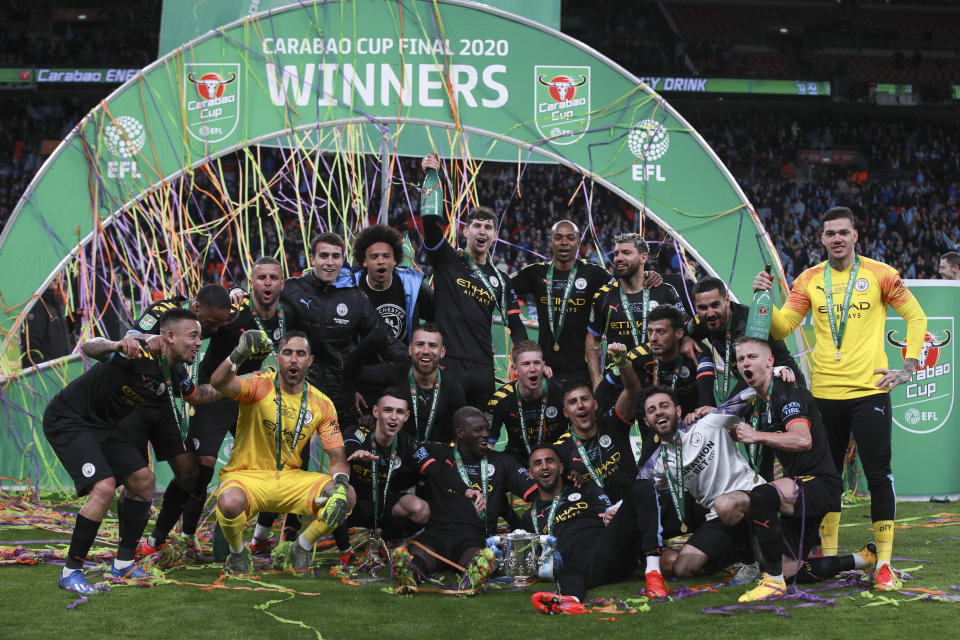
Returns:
(279, 412)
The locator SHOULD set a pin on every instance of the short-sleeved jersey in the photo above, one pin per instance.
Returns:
(609, 453)
(405, 472)
(255, 443)
(608, 319)
(449, 508)
(576, 522)
(693, 384)
(465, 306)
(226, 338)
(150, 318)
(568, 361)
(712, 464)
(505, 412)
(877, 286)
(790, 402)
(110, 390)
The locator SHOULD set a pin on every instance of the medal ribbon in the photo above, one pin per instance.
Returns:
(676, 486)
(722, 389)
(586, 460)
(554, 504)
(281, 321)
(432, 415)
(760, 406)
(378, 505)
(482, 514)
(642, 337)
(278, 425)
(571, 277)
(541, 423)
(845, 307)
(676, 368)
(168, 383)
(502, 305)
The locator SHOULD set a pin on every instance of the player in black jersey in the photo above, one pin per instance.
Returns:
(401, 295)
(386, 504)
(463, 510)
(469, 289)
(660, 363)
(573, 282)
(435, 395)
(210, 423)
(82, 425)
(211, 304)
(598, 543)
(619, 310)
(596, 449)
(786, 513)
(530, 407)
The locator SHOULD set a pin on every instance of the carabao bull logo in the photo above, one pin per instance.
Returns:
(211, 99)
(562, 102)
(930, 352)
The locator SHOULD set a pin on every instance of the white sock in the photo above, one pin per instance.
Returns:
(237, 550)
(122, 564)
(261, 532)
(858, 561)
(304, 544)
(777, 578)
(653, 564)
(67, 571)
(880, 563)
(152, 541)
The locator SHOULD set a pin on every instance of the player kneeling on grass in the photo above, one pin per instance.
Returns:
(785, 514)
(598, 543)
(279, 413)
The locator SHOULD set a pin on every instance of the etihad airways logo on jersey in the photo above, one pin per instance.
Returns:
(854, 306)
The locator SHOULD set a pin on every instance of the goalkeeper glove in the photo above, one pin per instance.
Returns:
(251, 343)
(335, 510)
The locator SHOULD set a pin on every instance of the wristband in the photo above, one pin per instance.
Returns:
(341, 478)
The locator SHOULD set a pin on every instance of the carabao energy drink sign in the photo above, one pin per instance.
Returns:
(926, 423)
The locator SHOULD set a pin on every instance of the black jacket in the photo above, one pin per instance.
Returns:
(342, 325)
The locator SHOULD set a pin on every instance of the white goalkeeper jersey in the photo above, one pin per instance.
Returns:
(712, 464)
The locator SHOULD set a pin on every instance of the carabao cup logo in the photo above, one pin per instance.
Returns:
(211, 99)
(561, 108)
(924, 404)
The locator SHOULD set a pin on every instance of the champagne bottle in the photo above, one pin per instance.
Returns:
(431, 195)
(758, 322)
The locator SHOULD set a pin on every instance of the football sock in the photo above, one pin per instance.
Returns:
(261, 532)
(291, 526)
(135, 515)
(653, 563)
(174, 498)
(883, 538)
(303, 542)
(195, 501)
(766, 529)
(830, 533)
(84, 534)
(820, 569)
(232, 529)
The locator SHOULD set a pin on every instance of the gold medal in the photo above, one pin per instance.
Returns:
(656, 438)
(837, 355)
(556, 347)
(756, 478)
(683, 527)
(506, 330)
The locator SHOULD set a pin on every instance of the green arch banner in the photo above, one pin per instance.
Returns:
(489, 84)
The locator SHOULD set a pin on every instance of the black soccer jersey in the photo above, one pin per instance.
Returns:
(609, 452)
(447, 505)
(110, 390)
(391, 305)
(227, 337)
(149, 319)
(464, 304)
(505, 412)
(789, 402)
(608, 319)
(406, 470)
(567, 361)
(577, 519)
(374, 379)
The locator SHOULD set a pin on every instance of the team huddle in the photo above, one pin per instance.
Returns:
(392, 377)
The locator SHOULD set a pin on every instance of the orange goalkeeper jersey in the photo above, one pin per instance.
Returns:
(255, 446)
(877, 286)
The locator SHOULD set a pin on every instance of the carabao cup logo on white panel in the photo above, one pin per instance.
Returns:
(561, 103)
(211, 99)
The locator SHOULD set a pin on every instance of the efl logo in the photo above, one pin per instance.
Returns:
(648, 141)
(561, 102)
(211, 96)
(124, 137)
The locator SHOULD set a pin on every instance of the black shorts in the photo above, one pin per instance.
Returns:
(723, 545)
(90, 453)
(154, 425)
(801, 531)
(209, 425)
(362, 514)
(449, 542)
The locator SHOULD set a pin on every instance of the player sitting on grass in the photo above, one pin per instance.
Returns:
(279, 412)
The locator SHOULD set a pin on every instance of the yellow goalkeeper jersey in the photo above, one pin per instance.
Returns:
(254, 446)
(862, 352)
